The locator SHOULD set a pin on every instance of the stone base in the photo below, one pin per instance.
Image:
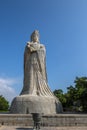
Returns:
(26, 104)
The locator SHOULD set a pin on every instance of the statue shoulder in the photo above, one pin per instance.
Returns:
(42, 46)
(29, 43)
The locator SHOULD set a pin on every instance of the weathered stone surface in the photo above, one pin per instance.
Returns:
(36, 95)
(43, 128)
(35, 104)
(57, 120)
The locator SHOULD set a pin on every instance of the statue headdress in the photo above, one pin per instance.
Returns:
(35, 33)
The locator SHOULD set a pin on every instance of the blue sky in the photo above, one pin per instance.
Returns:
(63, 30)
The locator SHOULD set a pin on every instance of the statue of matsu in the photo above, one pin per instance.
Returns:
(36, 96)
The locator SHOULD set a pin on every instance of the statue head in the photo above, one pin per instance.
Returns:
(35, 36)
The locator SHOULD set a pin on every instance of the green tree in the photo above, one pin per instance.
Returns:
(71, 98)
(59, 94)
(4, 104)
(76, 97)
(81, 88)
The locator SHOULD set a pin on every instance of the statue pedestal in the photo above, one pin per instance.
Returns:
(25, 104)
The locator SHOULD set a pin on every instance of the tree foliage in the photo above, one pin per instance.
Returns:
(81, 88)
(76, 96)
(61, 96)
(4, 104)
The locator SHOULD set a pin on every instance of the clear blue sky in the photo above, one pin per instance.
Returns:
(63, 30)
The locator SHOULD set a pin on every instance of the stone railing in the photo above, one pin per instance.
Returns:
(47, 120)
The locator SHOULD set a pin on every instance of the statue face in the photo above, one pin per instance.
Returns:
(35, 38)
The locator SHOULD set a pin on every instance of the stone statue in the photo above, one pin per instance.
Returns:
(36, 96)
(35, 77)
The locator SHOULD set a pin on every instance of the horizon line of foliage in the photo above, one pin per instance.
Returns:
(4, 104)
(75, 99)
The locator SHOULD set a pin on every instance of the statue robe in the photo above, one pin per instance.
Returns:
(35, 77)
